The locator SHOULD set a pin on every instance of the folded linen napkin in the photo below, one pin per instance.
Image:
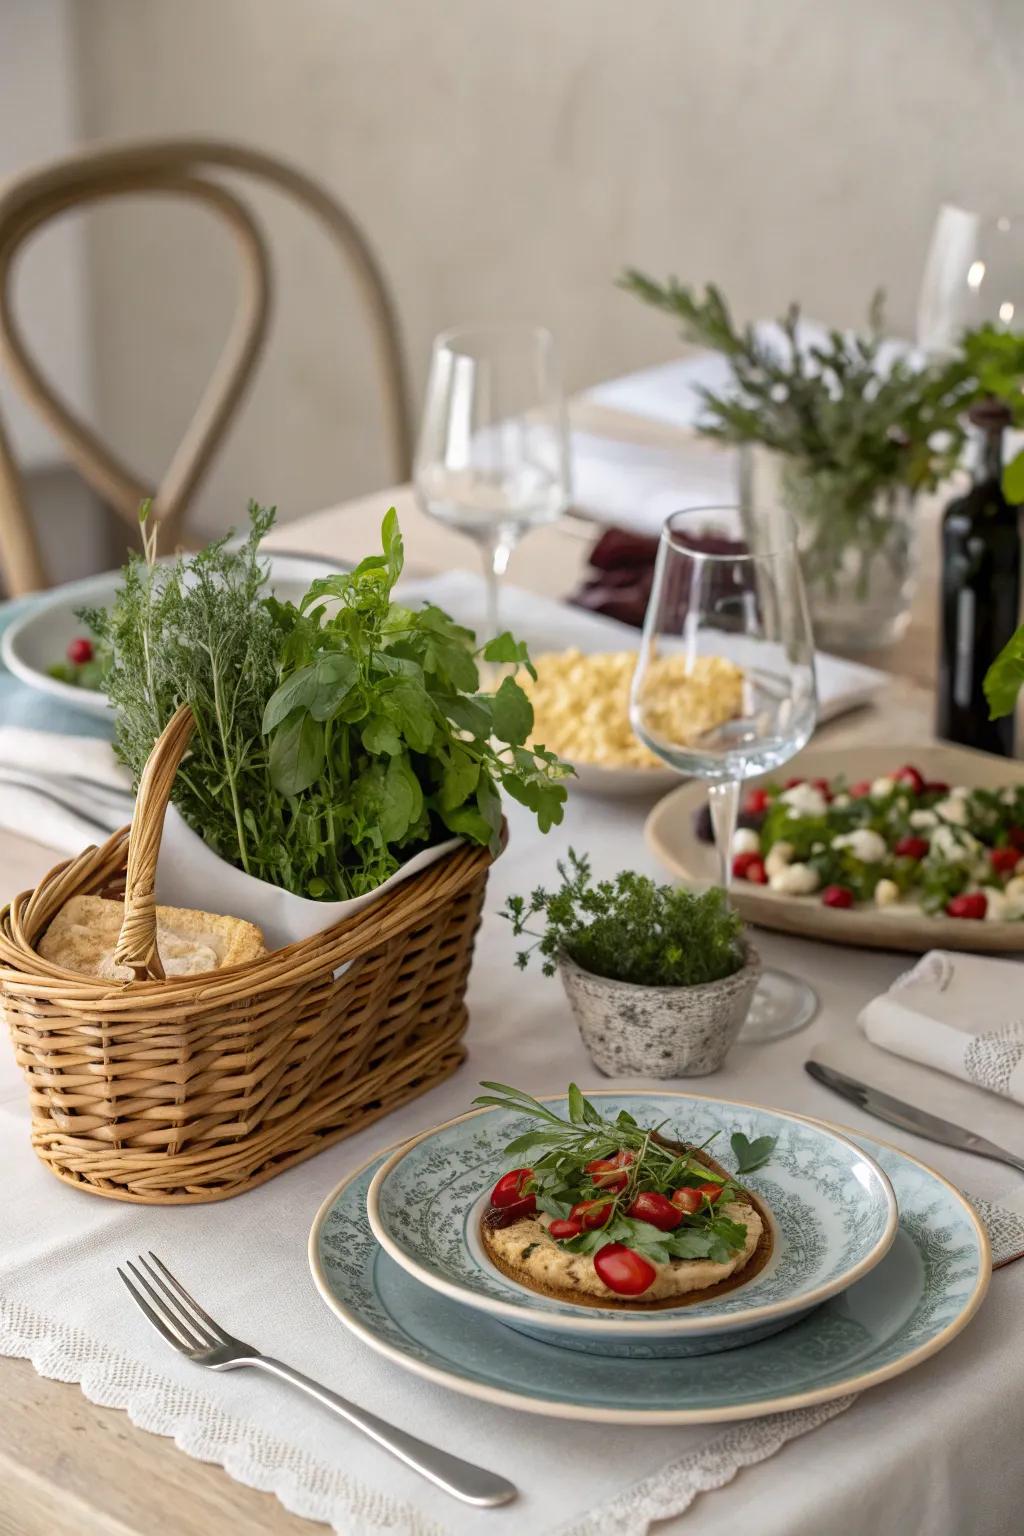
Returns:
(959, 1013)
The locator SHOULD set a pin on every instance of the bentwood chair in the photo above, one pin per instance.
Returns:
(175, 168)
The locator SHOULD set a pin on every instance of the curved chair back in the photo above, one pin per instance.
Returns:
(179, 168)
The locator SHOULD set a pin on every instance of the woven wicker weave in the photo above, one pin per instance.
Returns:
(195, 1088)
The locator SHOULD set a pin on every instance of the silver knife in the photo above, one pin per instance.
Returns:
(907, 1117)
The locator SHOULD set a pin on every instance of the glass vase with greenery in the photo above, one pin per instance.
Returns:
(859, 432)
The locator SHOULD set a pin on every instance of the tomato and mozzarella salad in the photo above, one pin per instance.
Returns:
(895, 841)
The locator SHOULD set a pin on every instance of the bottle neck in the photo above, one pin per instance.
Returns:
(985, 458)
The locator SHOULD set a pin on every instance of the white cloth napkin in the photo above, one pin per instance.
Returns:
(637, 485)
(959, 1013)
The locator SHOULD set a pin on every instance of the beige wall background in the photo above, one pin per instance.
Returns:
(507, 160)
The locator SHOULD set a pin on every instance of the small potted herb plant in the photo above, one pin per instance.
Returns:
(659, 978)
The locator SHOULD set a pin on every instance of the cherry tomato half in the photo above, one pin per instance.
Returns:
(623, 1271)
(911, 847)
(859, 790)
(80, 651)
(657, 1209)
(971, 904)
(562, 1230)
(755, 871)
(607, 1172)
(757, 802)
(1004, 860)
(741, 863)
(911, 777)
(591, 1214)
(837, 896)
(509, 1190)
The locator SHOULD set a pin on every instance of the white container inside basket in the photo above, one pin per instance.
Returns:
(190, 874)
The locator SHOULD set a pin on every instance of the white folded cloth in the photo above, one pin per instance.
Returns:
(64, 791)
(637, 485)
(961, 1014)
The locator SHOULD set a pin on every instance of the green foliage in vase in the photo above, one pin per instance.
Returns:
(858, 434)
(630, 929)
(332, 739)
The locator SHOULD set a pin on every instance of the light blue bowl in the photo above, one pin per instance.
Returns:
(833, 1209)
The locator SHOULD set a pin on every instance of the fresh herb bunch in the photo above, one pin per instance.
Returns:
(560, 1149)
(852, 432)
(831, 406)
(333, 738)
(630, 929)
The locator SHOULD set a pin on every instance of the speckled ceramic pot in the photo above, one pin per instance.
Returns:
(633, 1031)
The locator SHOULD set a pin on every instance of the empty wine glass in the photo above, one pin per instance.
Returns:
(493, 454)
(721, 593)
(974, 273)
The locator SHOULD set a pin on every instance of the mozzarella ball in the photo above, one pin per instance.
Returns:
(954, 848)
(887, 892)
(746, 840)
(996, 904)
(1015, 888)
(804, 800)
(780, 855)
(952, 809)
(795, 880)
(868, 846)
(923, 819)
(882, 787)
(840, 802)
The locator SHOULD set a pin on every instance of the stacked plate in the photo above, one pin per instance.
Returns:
(876, 1263)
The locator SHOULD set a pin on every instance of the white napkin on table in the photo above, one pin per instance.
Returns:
(638, 485)
(959, 1013)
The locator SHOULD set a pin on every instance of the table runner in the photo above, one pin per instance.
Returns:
(246, 1260)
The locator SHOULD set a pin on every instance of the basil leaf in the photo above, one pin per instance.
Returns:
(751, 1154)
(513, 713)
(296, 754)
(297, 691)
(505, 648)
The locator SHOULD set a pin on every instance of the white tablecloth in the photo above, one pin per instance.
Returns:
(935, 1451)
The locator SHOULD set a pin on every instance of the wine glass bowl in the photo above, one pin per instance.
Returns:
(493, 452)
(724, 687)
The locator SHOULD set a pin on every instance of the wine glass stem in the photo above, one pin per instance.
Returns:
(723, 800)
(496, 556)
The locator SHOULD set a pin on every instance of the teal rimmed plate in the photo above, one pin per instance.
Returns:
(925, 1290)
(832, 1209)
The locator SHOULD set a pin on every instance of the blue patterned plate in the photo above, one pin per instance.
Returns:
(925, 1290)
(833, 1210)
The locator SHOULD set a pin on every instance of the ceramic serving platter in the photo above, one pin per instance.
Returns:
(922, 1294)
(832, 1209)
(670, 835)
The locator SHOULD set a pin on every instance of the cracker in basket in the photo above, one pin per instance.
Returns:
(83, 934)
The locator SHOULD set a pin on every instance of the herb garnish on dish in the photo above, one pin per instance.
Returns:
(609, 1209)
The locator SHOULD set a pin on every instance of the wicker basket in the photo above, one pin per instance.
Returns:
(171, 1091)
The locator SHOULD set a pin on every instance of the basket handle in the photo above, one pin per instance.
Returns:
(136, 944)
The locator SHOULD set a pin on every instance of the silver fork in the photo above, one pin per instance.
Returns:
(179, 1319)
